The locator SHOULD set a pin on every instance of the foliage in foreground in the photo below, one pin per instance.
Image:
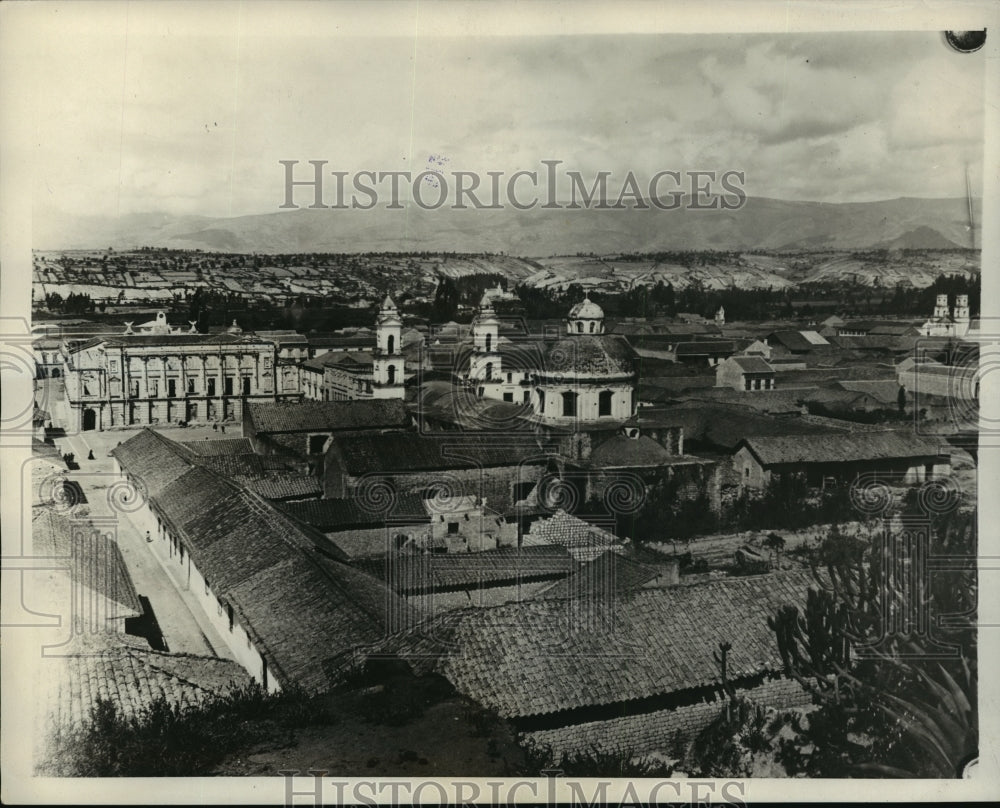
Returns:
(594, 762)
(167, 740)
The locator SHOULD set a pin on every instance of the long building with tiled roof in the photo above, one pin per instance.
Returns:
(558, 664)
(289, 613)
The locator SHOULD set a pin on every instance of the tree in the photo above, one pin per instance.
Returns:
(889, 703)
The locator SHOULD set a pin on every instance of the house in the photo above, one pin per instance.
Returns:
(303, 429)
(794, 343)
(628, 673)
(745, 373)
(288, 610)
(503, 471)
(897, 456)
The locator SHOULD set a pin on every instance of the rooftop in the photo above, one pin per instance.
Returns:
(397, 452)
(327, 416)
(531, 659)
(848, 447)
(306, 613)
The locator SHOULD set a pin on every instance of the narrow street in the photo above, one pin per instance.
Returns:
(184, 627)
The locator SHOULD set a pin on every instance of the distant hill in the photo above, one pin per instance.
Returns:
(922, 238)
(761, 224)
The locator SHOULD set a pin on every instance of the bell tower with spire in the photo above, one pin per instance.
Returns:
(485, 362)
(388, 356)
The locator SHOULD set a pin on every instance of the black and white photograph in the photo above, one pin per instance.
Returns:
(487, 403)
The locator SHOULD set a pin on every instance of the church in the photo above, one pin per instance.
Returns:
(948, 323)
(585, 376)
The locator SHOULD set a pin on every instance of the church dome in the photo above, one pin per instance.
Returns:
(586, 309)
(588, 357)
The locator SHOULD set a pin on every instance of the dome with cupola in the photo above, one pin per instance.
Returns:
(586, 317)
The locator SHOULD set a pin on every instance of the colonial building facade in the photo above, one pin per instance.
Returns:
(162, 378)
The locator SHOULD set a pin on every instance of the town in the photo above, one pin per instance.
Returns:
(539, 494)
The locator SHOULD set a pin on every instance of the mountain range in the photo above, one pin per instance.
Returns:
(761, 224)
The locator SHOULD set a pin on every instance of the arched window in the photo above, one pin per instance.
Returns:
(579, 327)
(390, 342)
(489, 371)
(592, 327)
(391, 371)
(569, 402)
(541, 402)
(604, 402)
(489, 342)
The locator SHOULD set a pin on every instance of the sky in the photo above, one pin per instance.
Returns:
(191, 116)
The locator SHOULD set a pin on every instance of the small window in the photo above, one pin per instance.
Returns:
(232, 617)
(453, 528)
(508, 397)
(592, 327)
(579, 328)
(171, 388)
(391, 371)
(316, 444)
(114, 365)
(211, 386)
(527, 396)
(569, 403)
(746, 472)
(510, 378)
(489, 342)
(246, 385)
(228, 385)
(489, 371)
(190, 384)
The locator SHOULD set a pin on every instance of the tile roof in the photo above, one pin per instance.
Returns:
(330, 514)
(752, 364)
(93, 560)
(327, 416)
(305, 612)
(409, 451)
(624, 452)
(409, 574)
(608, 575)
(581, 538)
(798, 340)
(849, 447)
(887, 391)
(131, 675)
(706, 347)
(534, 658)
(223, 446)
(282, 486)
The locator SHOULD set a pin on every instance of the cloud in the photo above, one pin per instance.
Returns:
(196, 122)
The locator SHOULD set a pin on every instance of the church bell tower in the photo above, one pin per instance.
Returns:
(388, 359)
